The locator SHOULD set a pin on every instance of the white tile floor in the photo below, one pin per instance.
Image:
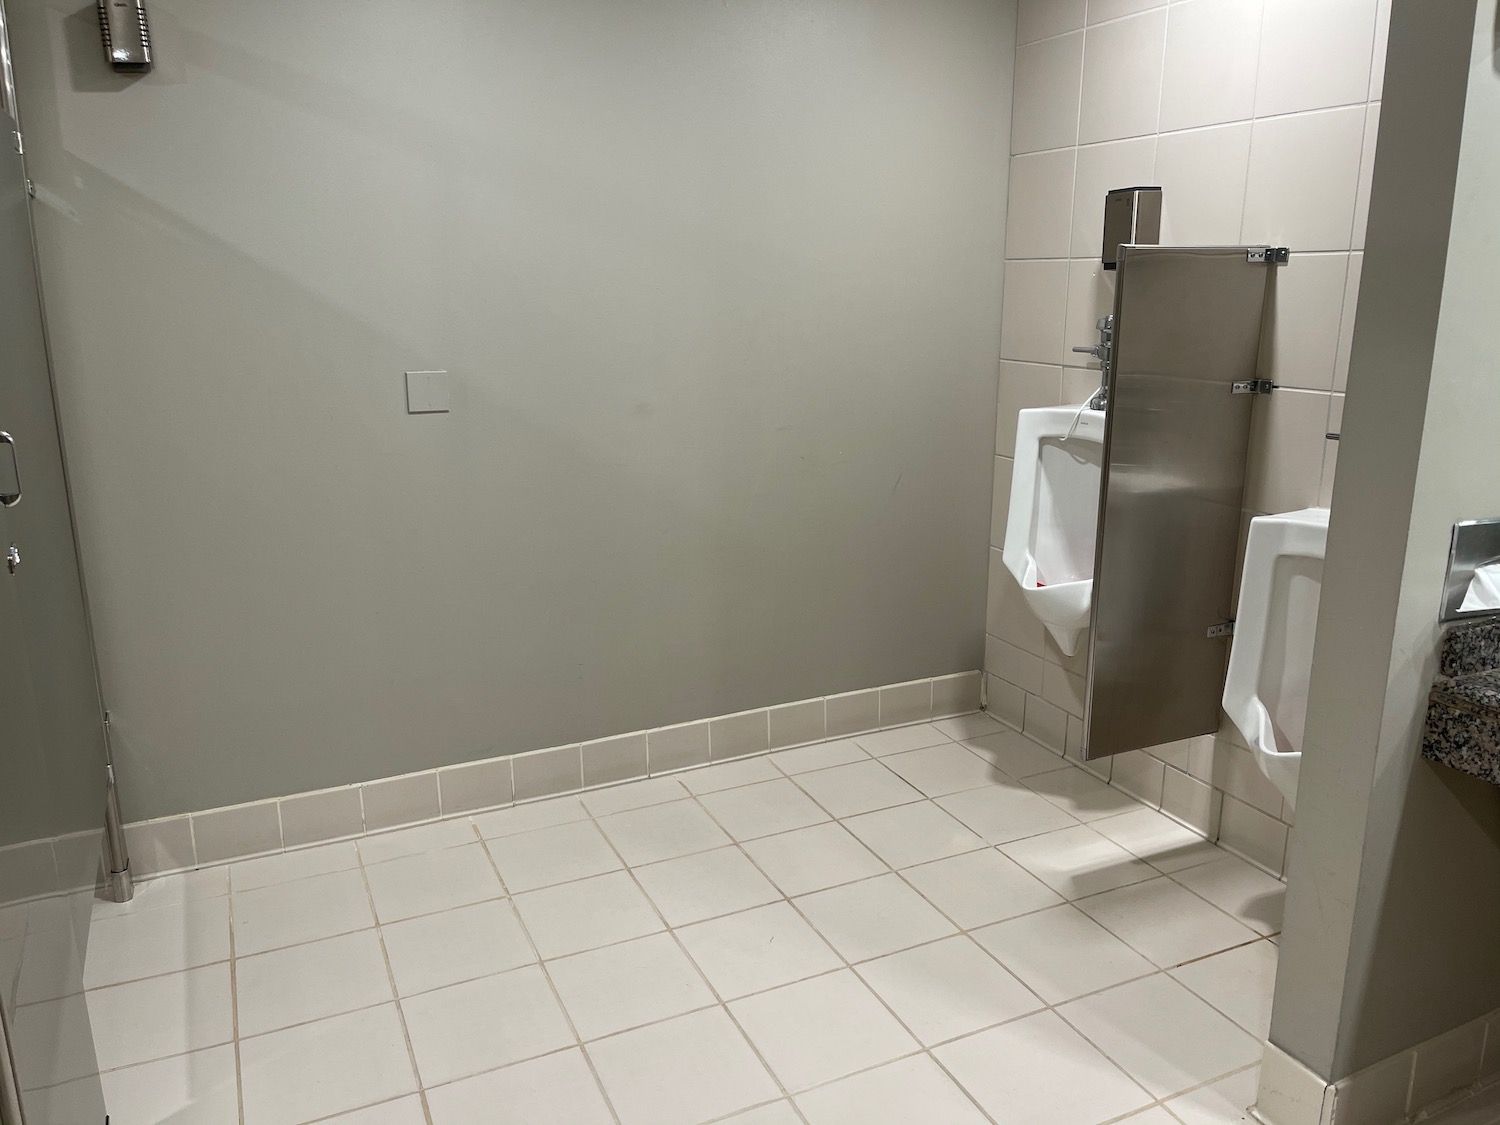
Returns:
(940, 923)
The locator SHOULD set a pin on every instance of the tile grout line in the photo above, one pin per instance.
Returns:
(390, 974)
(722, 1004)
(557, 999)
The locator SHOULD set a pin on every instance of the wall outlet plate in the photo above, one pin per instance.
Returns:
(427, 392)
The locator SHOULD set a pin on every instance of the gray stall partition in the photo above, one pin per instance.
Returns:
(1182, 380)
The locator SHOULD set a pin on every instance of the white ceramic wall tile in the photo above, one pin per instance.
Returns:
(394, 801)
(906, 703)
(1286, 450)
(1211, 58)
(309, 818)
(1235, 772)
(1042, 19)
(1091, 295)
(1013, 664)
(1044, 110)
(1377, 1093)
(1254, 835)
(1140, 775)
(222, 834)
(852, 712)
(160, 845)
(1039, 205)
(1122, 74)
(1191, 801)
(1301, 337)
(675, 748)
(1101, 169)
(1006, 701)
(1024, 385)
(1346, 321)
(1064, 689)
(1046, 723)
(734, 736)
(1366, 175)
(1007, 615)
(796, 723)
(1314, 55)
(958, 694)
(607, 760)
(473, 786)
(545, 772)
(1304, 174)
(1202, 177)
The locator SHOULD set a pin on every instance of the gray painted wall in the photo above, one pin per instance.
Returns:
(1393, 909)
(719, 288)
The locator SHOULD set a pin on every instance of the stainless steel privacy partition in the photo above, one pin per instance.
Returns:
(1181, 383)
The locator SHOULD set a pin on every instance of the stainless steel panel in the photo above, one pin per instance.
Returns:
(1187, 327)
(1475, 543)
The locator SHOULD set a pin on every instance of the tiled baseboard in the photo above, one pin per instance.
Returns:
(1431, 1076)
(214, 836)
(58, 864)
(1209, 783)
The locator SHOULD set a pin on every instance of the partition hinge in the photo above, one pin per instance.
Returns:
(1267, 255)
(1222, 629)
(30, 187)
(16, 138)
(1252, 387)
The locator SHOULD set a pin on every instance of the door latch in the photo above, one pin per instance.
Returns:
(12, 558)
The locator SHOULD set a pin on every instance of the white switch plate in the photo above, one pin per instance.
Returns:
(427, 392)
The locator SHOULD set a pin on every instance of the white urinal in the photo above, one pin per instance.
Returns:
(1270, 659)
(1054, 512)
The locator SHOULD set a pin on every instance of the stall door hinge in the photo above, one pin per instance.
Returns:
(1252, 387)
(18, 141)
(1222, 629)
(1267, 255)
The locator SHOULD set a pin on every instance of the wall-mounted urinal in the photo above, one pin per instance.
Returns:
(1054, 514)
(1270, 658)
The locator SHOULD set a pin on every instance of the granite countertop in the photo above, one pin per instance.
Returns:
(1463, 708)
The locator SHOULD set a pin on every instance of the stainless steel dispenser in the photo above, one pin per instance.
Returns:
(1132, 216)
(126, 34)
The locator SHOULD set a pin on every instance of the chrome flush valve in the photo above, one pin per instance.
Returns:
(1101, 351)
